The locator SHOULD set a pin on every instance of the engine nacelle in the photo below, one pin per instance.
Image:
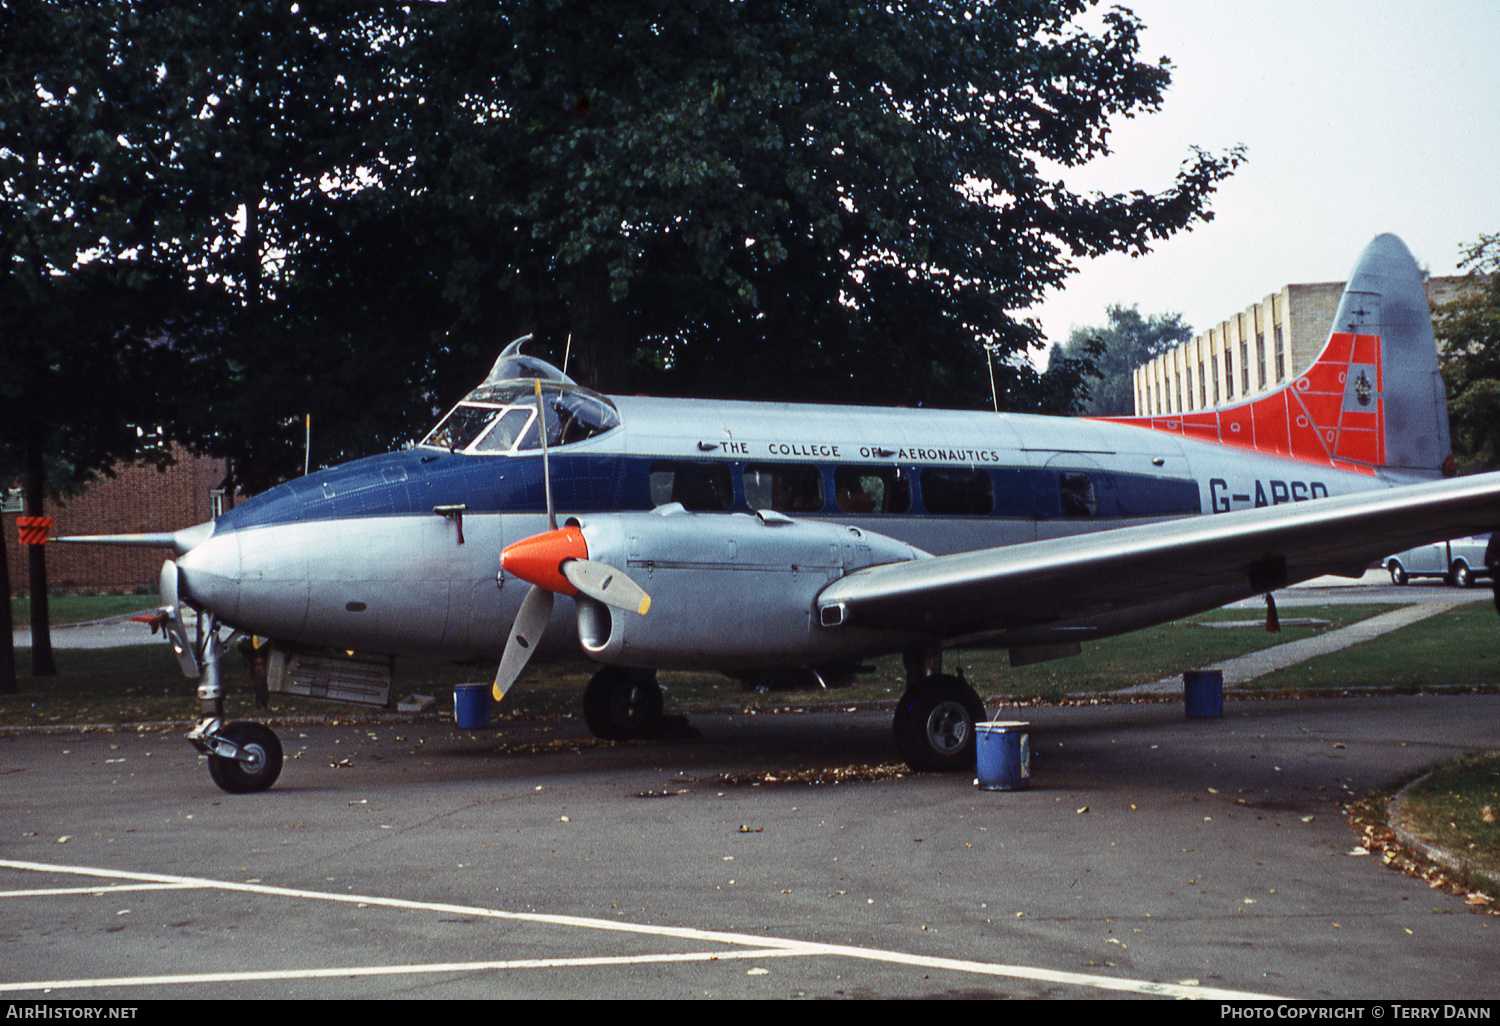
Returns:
(728, 590)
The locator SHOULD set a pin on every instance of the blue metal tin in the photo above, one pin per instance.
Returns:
(1003, 755)
(471, 706)
(1203, 694)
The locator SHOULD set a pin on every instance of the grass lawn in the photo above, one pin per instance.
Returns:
(1458, 808)
(82, 608)
(1458, 647)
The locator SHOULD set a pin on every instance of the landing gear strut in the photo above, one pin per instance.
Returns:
(935, 719)
(242, 757)
(621, 703)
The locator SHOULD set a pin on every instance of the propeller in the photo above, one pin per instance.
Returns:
(555, 562)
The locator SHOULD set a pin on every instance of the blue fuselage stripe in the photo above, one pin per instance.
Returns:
(413, 482)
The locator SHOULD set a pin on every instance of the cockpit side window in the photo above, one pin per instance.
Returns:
(571, 417)
(508, 427)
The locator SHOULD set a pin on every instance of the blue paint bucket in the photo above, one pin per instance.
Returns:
(1203, 694)
(1003, 755)
(471, 706)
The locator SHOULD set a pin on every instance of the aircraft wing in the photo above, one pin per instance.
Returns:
(1085, 586)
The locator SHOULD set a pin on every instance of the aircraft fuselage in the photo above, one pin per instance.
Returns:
(357, 557)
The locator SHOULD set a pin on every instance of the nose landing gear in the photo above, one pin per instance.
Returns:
(243, 757)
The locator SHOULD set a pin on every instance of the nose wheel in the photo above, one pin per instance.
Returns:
(243, 758)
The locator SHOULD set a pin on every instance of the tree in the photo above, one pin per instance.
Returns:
(1125, 342)
(338, 209)
(1468, 335)
(86, 288)
(794, 200)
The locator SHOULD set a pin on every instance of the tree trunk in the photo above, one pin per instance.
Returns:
(7, 627)
(33, 488)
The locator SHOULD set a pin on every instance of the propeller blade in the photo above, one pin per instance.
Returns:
(531, 621)
(603, 582)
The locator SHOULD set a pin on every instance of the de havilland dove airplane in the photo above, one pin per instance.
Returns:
(776, 536)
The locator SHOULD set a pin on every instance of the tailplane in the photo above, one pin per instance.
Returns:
(1372, 400)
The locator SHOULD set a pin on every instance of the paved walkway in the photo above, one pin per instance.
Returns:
(1245, 668)
(112, 633)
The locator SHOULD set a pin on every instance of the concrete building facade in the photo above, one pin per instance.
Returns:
(1255, 351)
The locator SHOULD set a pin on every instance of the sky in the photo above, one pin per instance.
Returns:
(1358, 118)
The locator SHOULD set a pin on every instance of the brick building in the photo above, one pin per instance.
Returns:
(139, 498)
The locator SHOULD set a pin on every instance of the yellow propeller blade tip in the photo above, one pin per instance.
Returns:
(645, 604)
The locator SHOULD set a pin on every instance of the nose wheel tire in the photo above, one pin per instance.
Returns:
(934, 725)
(620, 704)
(260, 766)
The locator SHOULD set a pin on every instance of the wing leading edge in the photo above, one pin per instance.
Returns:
(1090, 586)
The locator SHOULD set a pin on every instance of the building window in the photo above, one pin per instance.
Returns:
(1244, 367)
(1280, 356)
(1260, 356)
(1216, 380)
(1202, 387)
(1178, 376)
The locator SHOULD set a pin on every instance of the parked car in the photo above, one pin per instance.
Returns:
(1459, 561)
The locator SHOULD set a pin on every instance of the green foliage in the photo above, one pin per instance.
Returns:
(1468, 335)
(1126, 342)
(811, 200)
(219, 218)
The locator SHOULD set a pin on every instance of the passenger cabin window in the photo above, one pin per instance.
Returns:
(784, 487)
(1076, 490)
(958, 491)
(871, 489)
(701, 487)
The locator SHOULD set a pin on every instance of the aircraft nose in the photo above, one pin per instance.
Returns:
(209, 576)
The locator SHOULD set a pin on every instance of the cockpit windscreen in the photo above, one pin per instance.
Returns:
(503, 419)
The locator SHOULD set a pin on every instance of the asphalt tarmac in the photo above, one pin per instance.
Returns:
(770, 856)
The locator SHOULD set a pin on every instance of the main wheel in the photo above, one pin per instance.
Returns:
(1462, 576)
(621, 703)
(1398, 572)
(934, 725)
(262, 764)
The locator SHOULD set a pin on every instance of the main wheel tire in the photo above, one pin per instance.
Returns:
(621, 704)
(934, 725)
(263, 765)
(1398, 572)
(1462, 576)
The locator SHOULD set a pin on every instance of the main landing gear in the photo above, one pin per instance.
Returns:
(935, 719)
(243, 757)
(622, 703)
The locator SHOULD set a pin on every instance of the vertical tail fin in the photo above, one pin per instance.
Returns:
(1372, 399)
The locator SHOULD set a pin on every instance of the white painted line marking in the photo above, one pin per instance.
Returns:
(112, 889)
(760, 946)
(350, 972)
